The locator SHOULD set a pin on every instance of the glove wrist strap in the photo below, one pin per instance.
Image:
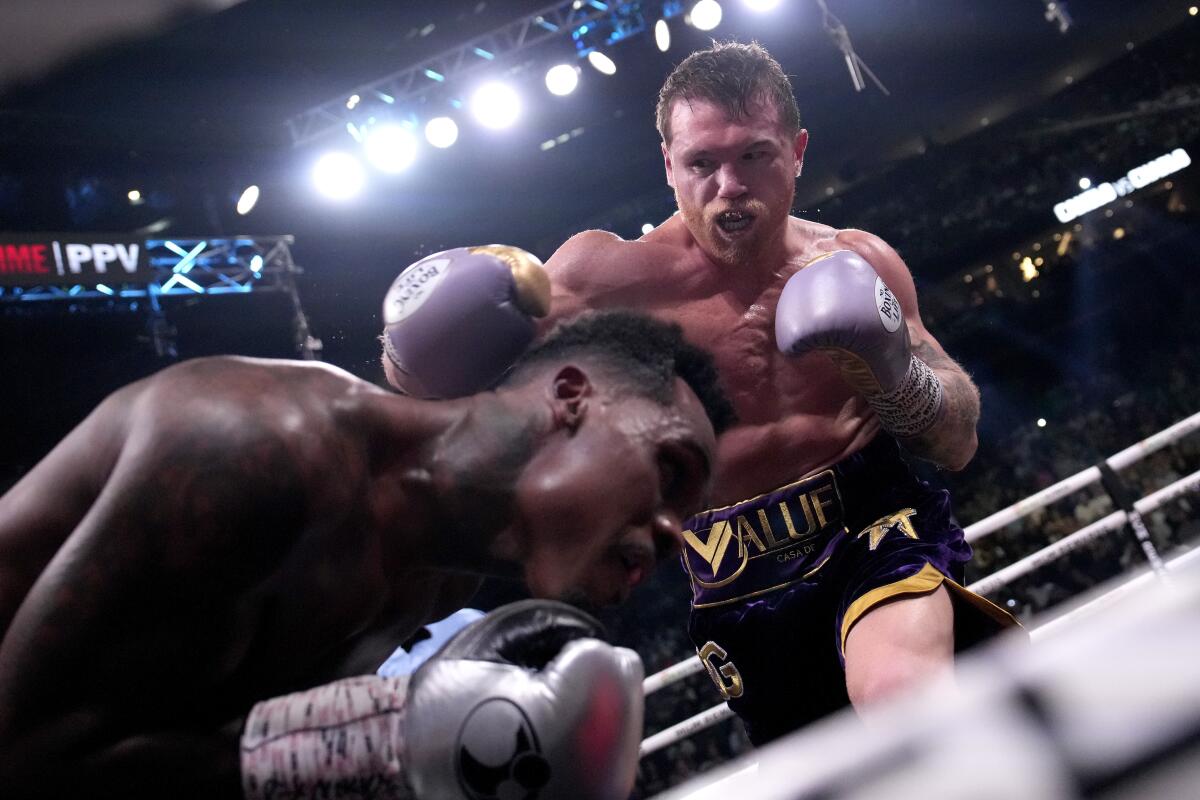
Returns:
(914, 405)
(344, 739)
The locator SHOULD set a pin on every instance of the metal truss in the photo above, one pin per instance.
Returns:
(561, 19)
(183, 267)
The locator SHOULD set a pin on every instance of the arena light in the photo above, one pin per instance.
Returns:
(338, 175)
(1085, 183)
(1041, 423)
(135, 197)
(662, 35)
(496, 105)
(561, 79)
(705, 15)
(247, 200)
(1102, 194)
(602, 63)
(647, 227)
(390, 147)
(441, 132)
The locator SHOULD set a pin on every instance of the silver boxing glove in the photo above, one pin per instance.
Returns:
(525, 703)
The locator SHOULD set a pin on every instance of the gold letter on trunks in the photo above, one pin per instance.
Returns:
(881, 527)
(728, 670)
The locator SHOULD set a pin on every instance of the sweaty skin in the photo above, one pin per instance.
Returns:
(796, 414)
(230, 530)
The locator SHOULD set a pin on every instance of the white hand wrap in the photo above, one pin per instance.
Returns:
(914, 405)
(341, 740)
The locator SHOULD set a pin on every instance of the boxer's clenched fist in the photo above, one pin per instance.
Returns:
(455, 321)
(524, 703)
(839, 305)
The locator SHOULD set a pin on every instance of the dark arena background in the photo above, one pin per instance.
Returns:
(1030, 160)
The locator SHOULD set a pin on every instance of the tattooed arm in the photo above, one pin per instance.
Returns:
(951, 441)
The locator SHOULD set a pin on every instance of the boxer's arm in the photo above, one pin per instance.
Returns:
(109, 667)
(578, 272)
(951, 441)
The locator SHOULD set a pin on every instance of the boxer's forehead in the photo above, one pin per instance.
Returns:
(700, 126)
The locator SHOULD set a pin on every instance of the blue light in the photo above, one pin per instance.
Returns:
(100, 287)
(385, 97)
(256, 264)
(596, 4)
(434, 76)
(483, 53)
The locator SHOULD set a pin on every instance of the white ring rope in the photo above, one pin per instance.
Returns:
(721, 711)
(1112, 522)
(1080, 480)
(1002, 577)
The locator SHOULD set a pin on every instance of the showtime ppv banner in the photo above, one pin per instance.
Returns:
(69, 259)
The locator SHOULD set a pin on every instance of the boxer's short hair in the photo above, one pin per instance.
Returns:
(644, 354)
(732, 76)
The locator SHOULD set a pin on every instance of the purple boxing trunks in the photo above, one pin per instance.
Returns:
(779, 580)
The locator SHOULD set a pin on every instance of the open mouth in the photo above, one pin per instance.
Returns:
(734, 221)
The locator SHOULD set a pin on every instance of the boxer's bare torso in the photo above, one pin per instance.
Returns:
(233, 532)
(795, 415)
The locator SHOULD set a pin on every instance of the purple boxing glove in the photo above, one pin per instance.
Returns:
(839, 305)
(455, 321)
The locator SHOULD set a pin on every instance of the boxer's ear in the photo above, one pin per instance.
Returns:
(571, 388)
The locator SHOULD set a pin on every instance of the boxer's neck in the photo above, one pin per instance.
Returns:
(462, 485)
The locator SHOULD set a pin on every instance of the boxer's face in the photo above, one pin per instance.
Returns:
(601, 505)
(734, 179)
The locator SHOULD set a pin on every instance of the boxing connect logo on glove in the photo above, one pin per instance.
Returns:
(499, 756)
(888, 305)
(412, 287)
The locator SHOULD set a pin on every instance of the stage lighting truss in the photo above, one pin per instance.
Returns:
(589, 24)
(182, 268)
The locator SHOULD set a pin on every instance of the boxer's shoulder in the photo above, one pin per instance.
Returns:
(602, 269)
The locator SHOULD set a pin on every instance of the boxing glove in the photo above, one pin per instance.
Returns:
(524, 703)
(455, 321)
(839, 305)
(527, 702)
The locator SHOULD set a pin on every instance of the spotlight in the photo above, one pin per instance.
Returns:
(496, 105)
(1085, 183)
(602, 62)
(762, 5)
(1041, 423)
(338, 175)
(390, 147)
(246, 201)
(706, 15)
(662, 35)
(562, 79)
(647, 227)
(441, 132)
(135, 197)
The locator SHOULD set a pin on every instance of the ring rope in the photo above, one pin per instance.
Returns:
(1112, 522)
(1080, 480)
(721, 711)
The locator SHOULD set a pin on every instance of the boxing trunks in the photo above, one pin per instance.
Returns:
(779, 580)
